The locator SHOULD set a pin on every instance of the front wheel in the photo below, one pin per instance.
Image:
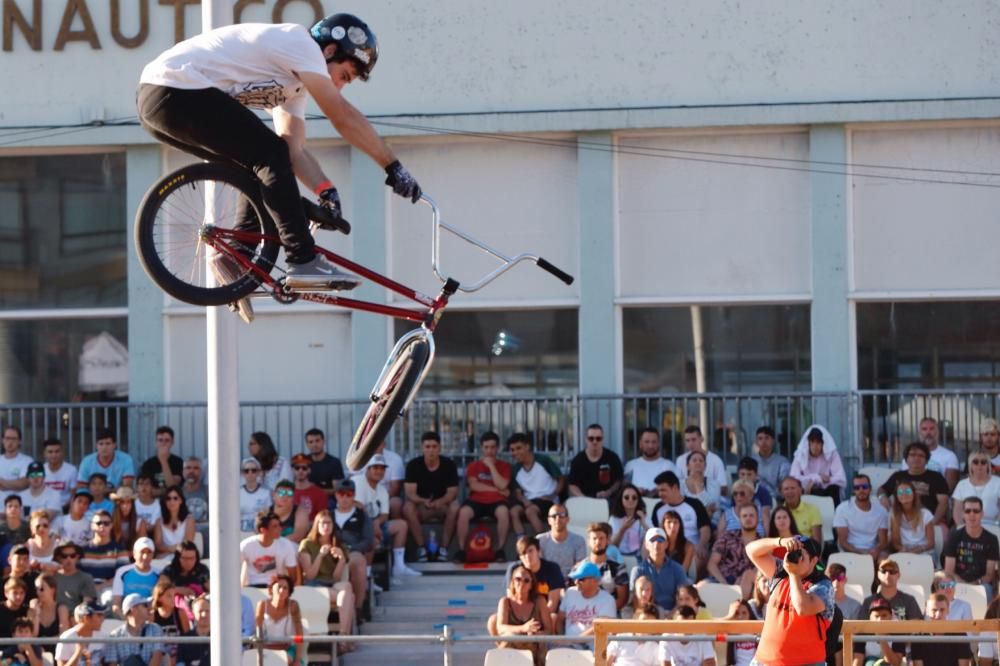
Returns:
(389, 398)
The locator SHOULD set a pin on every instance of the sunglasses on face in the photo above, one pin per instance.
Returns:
(630, 497)
(69, 556)
(974, 462)
(36, 475)
(285, 492)
(904, 491)
(102, 523)
(251, 470)
(301, 468)
(972, 510)
(740, 493)
(595, 439)
(862, 486)
(174, 498)
(42, 525)
(946, 585)
(345, 493)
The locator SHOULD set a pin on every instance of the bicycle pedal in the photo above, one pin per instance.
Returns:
(242, 309)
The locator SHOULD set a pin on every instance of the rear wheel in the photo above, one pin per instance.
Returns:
(173, 217)
(398, 383)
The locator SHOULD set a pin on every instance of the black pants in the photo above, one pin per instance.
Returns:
(210, 124)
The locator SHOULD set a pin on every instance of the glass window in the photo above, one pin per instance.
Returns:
(744, 348)
(62, 231)
(496, 353)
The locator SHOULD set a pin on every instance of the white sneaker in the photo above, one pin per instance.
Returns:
(403, 570)
(226, 272)
(376, 587)
(319, 274)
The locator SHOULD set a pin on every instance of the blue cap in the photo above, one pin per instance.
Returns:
(585, 569)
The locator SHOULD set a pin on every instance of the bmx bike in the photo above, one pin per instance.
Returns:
(219, 207)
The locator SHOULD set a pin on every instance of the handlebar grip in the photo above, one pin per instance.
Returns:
(562, 275)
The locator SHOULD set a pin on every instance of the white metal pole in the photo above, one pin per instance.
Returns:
(223, 445)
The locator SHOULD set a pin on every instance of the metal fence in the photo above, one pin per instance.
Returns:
(868, 426)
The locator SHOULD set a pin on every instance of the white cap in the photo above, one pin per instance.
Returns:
(143, 543)
(133, 600)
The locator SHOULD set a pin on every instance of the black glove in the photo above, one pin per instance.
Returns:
(402, 182)
(330, 200)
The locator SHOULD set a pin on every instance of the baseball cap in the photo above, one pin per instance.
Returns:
(377, 460)
(35, 468)
(344, 484)
(655, 534)
(249, 461)
(878, 603)
(284, 483)
(83, 492)
(301, 459)
(88, 608)
(143, 543)
(585, 569)
(132, 600)
(20, 549)
(810, 546)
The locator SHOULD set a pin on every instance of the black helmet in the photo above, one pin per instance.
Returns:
(353, 37)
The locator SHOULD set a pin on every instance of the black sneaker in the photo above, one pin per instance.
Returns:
(459, 556)
(500, 556)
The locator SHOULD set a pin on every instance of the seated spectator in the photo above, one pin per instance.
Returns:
(740, 653)
(941, 459)
(931, 487)
(715, 468)
(981, 483)
(19, 562)
(308, 495)
(729, 563)
(324, 469)
(862, 526)
(371, 493)
(664, 572)
(14, 606)
(273, 467)
(195, 490)
(635, 653)
(904, 606)
(817, 465)
(279, 617)
(117, 467)
(41, 544)
(89, 616)
(641, 472)
(149, 652)
(523, 612)
(679, 549)
(13, 529)
(98, 487)
(431, 495)
(697, 486)
(772, 467)
(148, 509)
(167, 615)
(267, 553)
(75, 525)
(538, 482)
(838, 578)
(197, 653)
(254, 497)
(971, 552)
(807, 516)
(761, 594)
(354, 529)
(392, 481)
(176, 522)
(742, 495)
(165, 468)
(549, 580)
(186, 572)
(37, 497)
(49, 617)
(697, 523)
(584, 602)
(642, 600)
(324, 563)
(747, 470)
(989, 441)
(944, 583)
(102, 555)
(138, 578)
(686, 653)
(941, 654)
(22, 653)
(911, 526)
(124, 520)
(60, 476)
(878, 653)
(687, 595)
(489, 487)
(595, 471)
(73, 586)
(294, 519)
(628, 520)
(614, 576)
(783, 524)
(13, 463)
(559, 545)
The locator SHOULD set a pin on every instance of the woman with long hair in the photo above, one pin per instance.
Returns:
(782, 523)
(643, 599)
(740, 653)
(628, 520)
(125, 528)
(323, 561)
(679, 549)
(911, 526)
(165, 612)
(981, 483)
(522, 612)
(279, 616)
(687, 595)
(50, 618)
(273, 467)
(698, 486)
(176, 524)
(761, 593)
(186, 572)
(41, 543)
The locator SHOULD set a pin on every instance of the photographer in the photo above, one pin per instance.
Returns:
(801, 604)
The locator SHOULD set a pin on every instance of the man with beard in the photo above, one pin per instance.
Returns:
(641, 472)
(614, 576)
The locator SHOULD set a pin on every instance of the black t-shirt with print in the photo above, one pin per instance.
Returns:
(593, 477)
(971, 553)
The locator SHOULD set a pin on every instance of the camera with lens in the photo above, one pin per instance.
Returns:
(794, 557)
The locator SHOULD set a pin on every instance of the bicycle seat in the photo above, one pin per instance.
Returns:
(324, 218)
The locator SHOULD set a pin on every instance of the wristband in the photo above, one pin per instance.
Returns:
(323, 186)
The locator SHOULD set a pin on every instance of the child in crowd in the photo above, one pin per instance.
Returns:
(686, 653)
(97, 484)
(634, 653)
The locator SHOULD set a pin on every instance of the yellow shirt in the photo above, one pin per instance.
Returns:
(806, 515)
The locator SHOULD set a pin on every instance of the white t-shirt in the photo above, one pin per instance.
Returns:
(252, 503)
(148, 512)
(642, 471)
(715, 469)
(689, 518)
(262, 563)
(47, 500)
(862, 526)
(634, 653)
(536, 482)
(580, 612)
(64, 651)
(13, 469)
(915, 537)
(942, 460)
(989, 494)
(254, 63)
(693, 653)
(63, 481)
(375, 500)
(77, 531)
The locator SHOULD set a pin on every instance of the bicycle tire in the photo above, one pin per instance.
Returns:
(399, 382)
(168, 225)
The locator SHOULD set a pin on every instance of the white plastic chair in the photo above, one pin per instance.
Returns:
(856, 592)
(199, 541)
(48, 659)
(110, 624)
(860, 569)
(271, 658)
(585, 510)
(254, 594)
(826, 511)
(915, 590)
(569, 657)
(718, 596)
(650, 503)
(508, 657)
(314, 602)
(915, 568)
(975, 596)
(878, 474)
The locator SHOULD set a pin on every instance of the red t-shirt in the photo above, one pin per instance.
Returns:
(479, 471)
(313, 497)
